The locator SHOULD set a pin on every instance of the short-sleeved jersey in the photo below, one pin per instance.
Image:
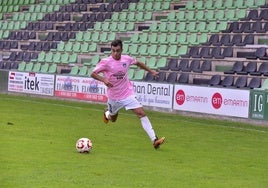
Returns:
(116, 71)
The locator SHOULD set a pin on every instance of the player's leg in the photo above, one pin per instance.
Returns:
(111, 112)
(133, 104)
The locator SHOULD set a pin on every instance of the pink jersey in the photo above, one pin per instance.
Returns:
(116, 71)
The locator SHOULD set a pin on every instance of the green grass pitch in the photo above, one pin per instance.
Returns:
(38, 136)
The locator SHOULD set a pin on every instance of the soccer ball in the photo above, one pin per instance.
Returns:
(83, 145)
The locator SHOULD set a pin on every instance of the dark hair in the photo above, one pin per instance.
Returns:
(117, 43)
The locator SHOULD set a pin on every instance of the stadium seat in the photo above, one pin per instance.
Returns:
(255, 82)
(249, 68)
(183, 78)
(237, 67)
(172, 77)
(227, 81)
(215, 80)
(241, 82)
(262, 70)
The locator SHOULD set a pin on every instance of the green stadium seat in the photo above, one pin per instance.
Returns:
(76, 47)
(131, 74)
(192, 38)
(182, 38)
(162, 38)
(61, 47)
(44, 68)
(208, 4)
(73, 58)
(190, 15)
(151, 63)
(142, 51)
(52, 69)
(152, 50)
(182, 50)
(140, 7)
(68, 47)
(209, 15)
(87, 36)
(29, 67)
(199, 5)
(201, 27)
(21, 66)
(123, 16)
(95, 59)
(49, 57)
(181, 27)
(133, 49)
(219, 4)
(64, 58)
(98, 26)
(241, 13)
(74, 70)
(161, 51)
(132, 7)
(139, 74)
(152, 38)
(111, 37)
(220, 15)
(229, 4)
(161, 62)
(92, 47)
(95, 36)
(41, 56)
(57, 57)
(172, 38)
(191, 27)
(103, 37)
(158, 6)
(130, 26)
(181, 16)
(131, 17)
(202, 38)
(36, 67)
(135, 38)
(189, 5)
(172, 50)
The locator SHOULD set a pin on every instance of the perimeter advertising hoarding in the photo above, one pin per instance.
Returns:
(258, 104)
(32, 83)
(227, 102)
(154, 94)
(82, 88)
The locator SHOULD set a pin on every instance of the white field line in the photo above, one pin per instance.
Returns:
(167, 119)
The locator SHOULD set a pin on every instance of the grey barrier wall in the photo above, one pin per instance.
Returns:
(3, 81)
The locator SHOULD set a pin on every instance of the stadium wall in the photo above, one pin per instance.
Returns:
(202, 100)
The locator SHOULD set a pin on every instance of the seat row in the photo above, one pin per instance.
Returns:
(186, 65)
(168, 77)
(230, 81)
(190, 27)
(223, 4)
(207, 52)
(171, 38)
(249, 68)
(204, 15)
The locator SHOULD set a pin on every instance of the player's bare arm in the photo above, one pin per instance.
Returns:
(102, 79)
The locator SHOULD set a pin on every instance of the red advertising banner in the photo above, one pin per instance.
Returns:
(82, 88)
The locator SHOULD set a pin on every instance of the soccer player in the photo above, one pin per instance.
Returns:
(120, 92)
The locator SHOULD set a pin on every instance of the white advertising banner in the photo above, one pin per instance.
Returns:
(33, 83)
(154, 94)
(82, 88)
(221, 101)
